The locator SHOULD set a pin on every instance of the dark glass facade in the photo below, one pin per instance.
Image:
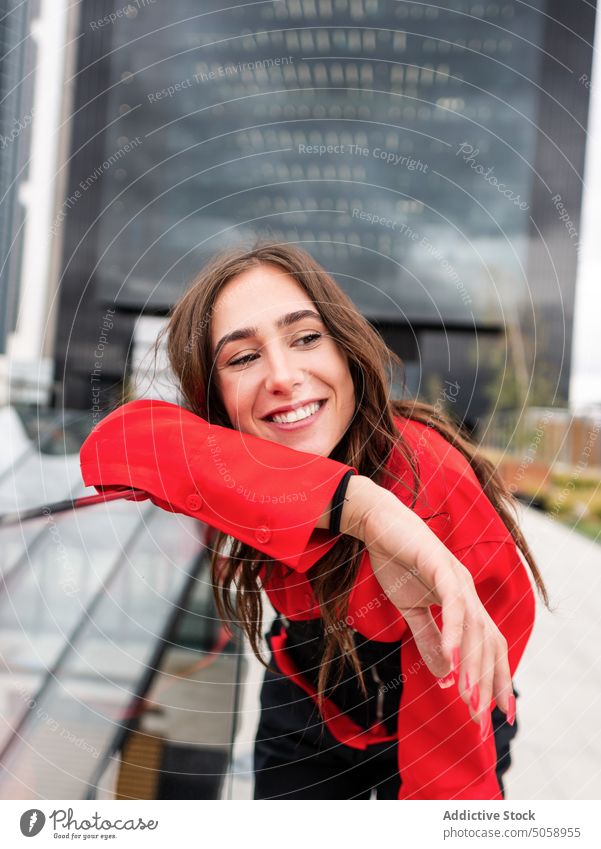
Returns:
(424, 154)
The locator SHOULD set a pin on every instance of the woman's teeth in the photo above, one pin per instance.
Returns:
(298, 414)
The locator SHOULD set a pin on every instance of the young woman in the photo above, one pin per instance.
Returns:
(383, 541)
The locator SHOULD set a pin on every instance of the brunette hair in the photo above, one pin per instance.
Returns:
(367, 444)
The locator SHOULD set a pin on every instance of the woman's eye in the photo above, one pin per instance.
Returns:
(248, 358)
(310, 337)
(242, 361)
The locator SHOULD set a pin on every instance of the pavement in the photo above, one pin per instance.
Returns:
(557, 752)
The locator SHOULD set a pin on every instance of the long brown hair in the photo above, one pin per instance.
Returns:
(367, 444)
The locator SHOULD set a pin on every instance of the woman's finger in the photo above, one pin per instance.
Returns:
(452, 594)
(502, 685)
(486, 681)
(426, 634)
(471, 661)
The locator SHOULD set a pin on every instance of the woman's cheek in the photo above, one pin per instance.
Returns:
(229, 395)
(245, 395)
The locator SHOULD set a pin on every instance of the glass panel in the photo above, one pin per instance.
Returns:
(98, 639)
(90, 601)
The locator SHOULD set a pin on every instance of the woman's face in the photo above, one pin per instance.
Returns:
(279, 373)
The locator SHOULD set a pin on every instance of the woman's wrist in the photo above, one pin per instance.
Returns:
(361, 497)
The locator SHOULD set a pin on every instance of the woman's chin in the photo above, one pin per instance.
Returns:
(311, 446)
(301, 441)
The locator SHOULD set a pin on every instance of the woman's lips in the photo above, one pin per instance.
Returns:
(300, 424)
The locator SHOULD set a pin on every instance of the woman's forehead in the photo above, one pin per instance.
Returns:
(258, 297)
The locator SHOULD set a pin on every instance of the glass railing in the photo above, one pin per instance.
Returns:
(113, 663)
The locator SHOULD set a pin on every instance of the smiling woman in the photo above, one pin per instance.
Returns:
(414, 577)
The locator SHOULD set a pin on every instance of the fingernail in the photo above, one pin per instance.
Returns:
(455, 659)
(485, 726)
(511, 709)
(475, 697)
(446, 682)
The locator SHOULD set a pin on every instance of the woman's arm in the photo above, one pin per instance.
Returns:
(262, 493)
(273, 498)
(416, 570)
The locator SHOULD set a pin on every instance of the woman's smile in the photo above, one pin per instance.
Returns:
(304, 414)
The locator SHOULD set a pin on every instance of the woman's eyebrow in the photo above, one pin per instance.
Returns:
(248, 332)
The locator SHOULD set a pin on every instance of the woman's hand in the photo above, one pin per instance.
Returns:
(416, 570)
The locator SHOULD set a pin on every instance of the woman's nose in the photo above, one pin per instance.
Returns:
(282, 373)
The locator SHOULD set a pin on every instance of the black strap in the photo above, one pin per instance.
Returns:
(338, 500)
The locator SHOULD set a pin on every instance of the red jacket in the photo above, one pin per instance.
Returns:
(271, 497)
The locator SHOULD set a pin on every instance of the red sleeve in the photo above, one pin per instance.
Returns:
(262, 493)
(441, 755)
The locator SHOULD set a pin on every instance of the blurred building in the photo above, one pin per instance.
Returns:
(38, 51)
(370, 133)
(430, 157)
(15, 124)
(555, 438)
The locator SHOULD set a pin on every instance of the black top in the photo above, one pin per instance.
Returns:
(380, 662)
